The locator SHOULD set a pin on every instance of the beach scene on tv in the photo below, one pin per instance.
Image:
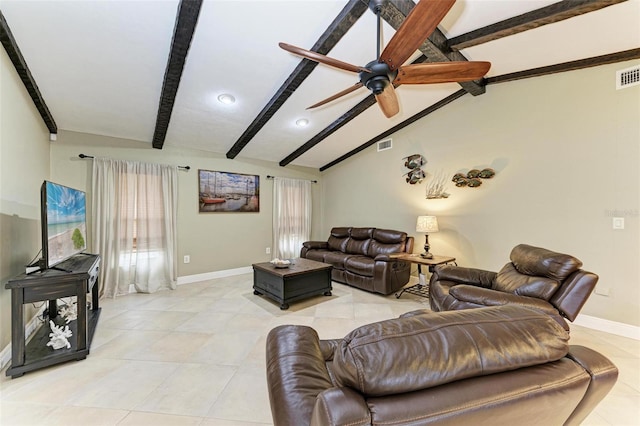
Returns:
(66, 222)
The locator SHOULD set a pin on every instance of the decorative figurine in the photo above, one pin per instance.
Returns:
(59, 336)
(69, 312)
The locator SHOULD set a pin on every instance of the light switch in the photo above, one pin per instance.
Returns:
(618, 223)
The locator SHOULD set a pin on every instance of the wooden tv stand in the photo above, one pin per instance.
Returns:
(73, 277)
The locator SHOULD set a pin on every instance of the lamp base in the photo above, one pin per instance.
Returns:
(426, 255)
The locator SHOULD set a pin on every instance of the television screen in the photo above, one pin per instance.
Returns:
(64, 223)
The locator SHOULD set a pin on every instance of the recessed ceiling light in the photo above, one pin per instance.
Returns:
(302, 122)
(226, 99)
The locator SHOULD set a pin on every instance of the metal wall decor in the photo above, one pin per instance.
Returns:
(413, 163)
(473, 178)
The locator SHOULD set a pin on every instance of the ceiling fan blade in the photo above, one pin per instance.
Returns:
(317, 57)
(442, 72)
(337, 95)
(417, 26)
(388, 101)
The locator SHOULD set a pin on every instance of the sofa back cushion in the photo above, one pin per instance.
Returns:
(359, 240)
(338, 239)
(421, 351)
(386, 241)
(510, 280)
(537, 261)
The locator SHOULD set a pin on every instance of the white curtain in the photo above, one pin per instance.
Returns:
(291, 216)
(134, 209)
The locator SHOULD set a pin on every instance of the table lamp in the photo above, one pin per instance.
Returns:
(427, 224)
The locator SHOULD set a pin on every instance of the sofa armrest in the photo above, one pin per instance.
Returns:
(603, 376)
(340, 406)
(388, 257)
(462, 275)
(291, 349)
(315, 244)
(487, 297)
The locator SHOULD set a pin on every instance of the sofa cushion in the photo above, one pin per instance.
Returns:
(336, 259)
(338, 239)
(510, 280)
(359, 241)
(531, 260)
(386, 241)
(422, 351)
(317, 255)
(361, 265)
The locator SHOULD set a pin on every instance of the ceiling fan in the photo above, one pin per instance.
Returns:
(382, 75)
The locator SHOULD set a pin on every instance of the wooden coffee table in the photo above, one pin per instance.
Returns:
(303, 278)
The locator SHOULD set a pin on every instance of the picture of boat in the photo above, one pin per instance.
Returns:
(228, 192)
(205, 199)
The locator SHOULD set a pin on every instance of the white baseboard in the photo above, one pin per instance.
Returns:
(31, 327)
(617, 328)
(188, 279)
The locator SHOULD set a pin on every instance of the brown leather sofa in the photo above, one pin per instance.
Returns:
(506, 365)
(536, 277)
(361, 257)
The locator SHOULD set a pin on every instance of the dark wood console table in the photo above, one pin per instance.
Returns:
(73, 277)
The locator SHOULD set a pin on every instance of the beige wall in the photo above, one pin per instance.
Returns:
(566, 151)
(24, 164)
(214, 241)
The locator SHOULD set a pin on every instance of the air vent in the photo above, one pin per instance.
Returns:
(385, 145)
(627, 77)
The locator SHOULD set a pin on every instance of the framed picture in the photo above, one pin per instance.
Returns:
(224, 192)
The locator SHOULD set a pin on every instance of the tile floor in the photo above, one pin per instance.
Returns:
(195, 356)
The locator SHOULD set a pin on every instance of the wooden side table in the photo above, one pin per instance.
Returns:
(423, 289)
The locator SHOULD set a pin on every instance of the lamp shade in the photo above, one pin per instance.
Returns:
(427, 224)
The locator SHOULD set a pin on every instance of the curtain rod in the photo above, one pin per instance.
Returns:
(187, 168)
(273, 177)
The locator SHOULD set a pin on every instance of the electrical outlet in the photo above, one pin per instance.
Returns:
(618, 223)
(602, 290)
(267, 250)
(187, 258)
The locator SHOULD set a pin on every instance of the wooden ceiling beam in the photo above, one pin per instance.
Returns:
(441, 103)
(330, 129)
(20, 64)
(186, 20)
(626, 55)
(536, 18)
(338, 28)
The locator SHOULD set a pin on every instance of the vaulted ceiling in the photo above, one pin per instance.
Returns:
(152, 70)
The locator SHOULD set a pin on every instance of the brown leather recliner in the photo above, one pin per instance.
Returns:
(362, 257)
(536, 277)
(506, 365)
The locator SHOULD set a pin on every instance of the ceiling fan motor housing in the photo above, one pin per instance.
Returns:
(379, 77)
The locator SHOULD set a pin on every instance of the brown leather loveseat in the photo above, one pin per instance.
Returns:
(506, 365)
(361, 257)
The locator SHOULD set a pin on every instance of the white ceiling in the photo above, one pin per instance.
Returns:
(100, 66)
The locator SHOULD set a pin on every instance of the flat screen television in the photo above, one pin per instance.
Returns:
(64, 223)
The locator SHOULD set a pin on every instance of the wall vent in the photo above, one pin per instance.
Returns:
(385, 145)
(627, 77)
